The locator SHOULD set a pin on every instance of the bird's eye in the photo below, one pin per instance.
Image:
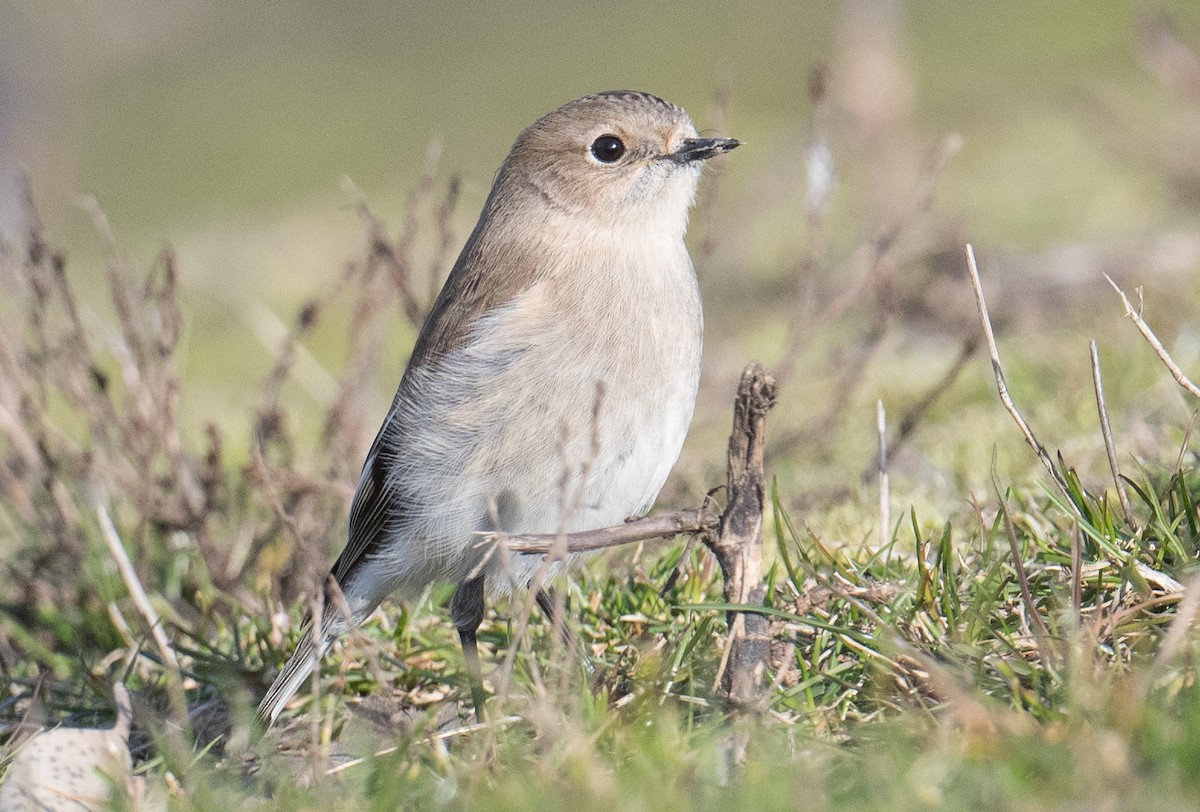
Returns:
(608, 149)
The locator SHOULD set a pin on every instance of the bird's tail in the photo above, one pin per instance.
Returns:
(299, 667)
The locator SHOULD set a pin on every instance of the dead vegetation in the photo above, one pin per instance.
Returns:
(90, 428)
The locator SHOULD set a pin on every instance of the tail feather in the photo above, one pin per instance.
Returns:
(299, 667)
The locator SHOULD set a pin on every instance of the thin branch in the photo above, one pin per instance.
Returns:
(396, 258)
(129, 575)
(1106, 431)
(1153, 341)
(136, 591)
(666, 526)
(1005, 398)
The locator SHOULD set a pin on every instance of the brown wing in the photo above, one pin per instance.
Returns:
(496, 265)
(504, 257)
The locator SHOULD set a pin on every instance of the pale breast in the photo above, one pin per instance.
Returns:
(566, 409)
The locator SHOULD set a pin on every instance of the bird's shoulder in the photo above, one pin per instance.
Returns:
(496, 266)
(500, 261)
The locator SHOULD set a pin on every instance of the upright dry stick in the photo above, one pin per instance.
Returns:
(738, 545)
(998, 371)
(1152, 339)
(1106, 431)
(1041, 632)
(134, 585)
(142, 601)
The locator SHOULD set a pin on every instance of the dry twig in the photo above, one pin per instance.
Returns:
(998, 371)
(665, 526)
(1136, 317)
(1106, 431)
(1041, 631)
(140, 599)
(738, 545)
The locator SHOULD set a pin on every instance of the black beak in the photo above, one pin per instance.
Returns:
(701, 149)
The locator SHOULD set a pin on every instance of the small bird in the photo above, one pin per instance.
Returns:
(562, 356)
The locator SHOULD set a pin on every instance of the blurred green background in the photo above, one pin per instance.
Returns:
(208, 124)
(224, 129)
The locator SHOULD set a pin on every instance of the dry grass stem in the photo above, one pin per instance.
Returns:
(1106, 431)
(140, 599)
(1136, 317)
(1041, 631)
(736, 629)
(998, 371)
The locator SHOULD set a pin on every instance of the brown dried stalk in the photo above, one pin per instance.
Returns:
(738, 545)
(1106, 431)
(663, 526)
(1002, 386)
(1136, 317)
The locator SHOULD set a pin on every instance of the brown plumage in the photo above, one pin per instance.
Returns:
(575, 280)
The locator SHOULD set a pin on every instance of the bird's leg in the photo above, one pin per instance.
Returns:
(466, 610)
(546, 603)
